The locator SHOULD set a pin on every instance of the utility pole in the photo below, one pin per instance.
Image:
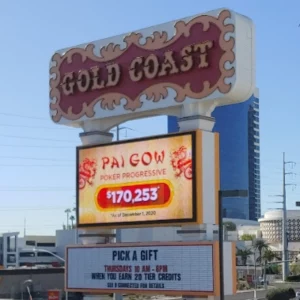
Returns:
(118, 132)
(285, 252)
(24, 227)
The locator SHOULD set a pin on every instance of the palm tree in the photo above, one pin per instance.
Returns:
(260, 246)
(269, 255)
(72, 218)
(74, 211)
(244, 254)
(68, 211)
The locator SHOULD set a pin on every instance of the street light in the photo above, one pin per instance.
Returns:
(36, 250)
(26, 282)
(225, 194)
(55, 255)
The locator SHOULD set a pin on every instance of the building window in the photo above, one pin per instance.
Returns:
(11, 258)
(45, 244)
(30, 243)
(45, 254)
(27, 254)
(11, 244)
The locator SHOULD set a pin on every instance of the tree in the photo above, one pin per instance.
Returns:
(68, 211)
(72, 219)
(295, 268)
(269, 255)
(247, 237)
(230, 226)
(244, 254)
(260, 246)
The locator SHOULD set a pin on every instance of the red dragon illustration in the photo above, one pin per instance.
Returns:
(181, 162)
(87, 172)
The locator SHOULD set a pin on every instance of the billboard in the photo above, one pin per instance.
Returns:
(165, 268)
(206, 57)
(139, 182)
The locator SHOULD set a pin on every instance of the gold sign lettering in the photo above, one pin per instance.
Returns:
(97, 82)
(114, 74)
(68, 84)
(136, 75)
(202, 48)
(83, 81)
(150, 67)
(169, 65)
(187, 58)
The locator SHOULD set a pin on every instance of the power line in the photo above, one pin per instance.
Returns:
(30, 209)
(40, 187)
(55, 127)
(23, 116)
(34, 189)
(34, 158)
(37, 146)
(34, 138)
(33, 227)
(43, 166)
(42, 190)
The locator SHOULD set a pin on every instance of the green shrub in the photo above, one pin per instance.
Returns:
(281, 294)
(293, 278)
(243, 285)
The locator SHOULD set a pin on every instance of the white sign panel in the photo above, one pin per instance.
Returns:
(164, 268)
(209, 57)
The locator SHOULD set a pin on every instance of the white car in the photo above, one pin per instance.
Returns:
(298, 295)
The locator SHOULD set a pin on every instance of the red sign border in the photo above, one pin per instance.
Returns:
(155, 92)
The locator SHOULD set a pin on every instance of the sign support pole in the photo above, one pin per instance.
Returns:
(92, 135)
(118, 230)
(197, 116)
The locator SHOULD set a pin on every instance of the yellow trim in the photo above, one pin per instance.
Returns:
(199, 175)
(114, 186)
(217, 175)
(234, 270)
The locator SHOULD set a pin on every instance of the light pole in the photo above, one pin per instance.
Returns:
(225, 194)
(26, 282)
(55, 255)
(36, 250)
(118, 231)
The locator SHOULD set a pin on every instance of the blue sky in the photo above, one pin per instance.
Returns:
(37, 157)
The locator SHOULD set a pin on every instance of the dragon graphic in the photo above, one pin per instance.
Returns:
(181, 162)
(87, 172)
